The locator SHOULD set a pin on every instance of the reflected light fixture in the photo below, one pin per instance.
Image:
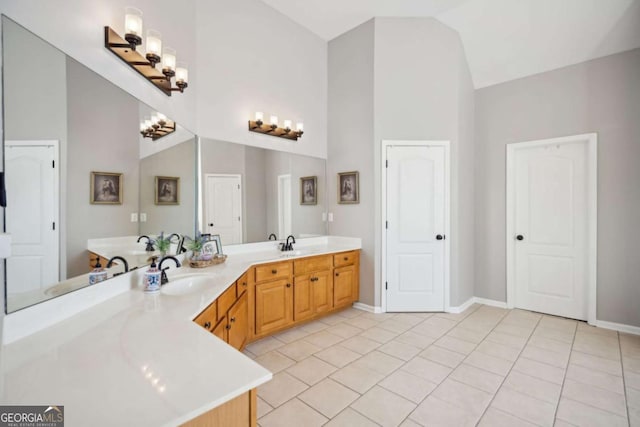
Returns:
(273, 128)
(125, 49)
(157, 126)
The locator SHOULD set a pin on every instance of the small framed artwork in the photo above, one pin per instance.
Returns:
(167, 190)
(106, 188)
(348, 188)
(309, 190)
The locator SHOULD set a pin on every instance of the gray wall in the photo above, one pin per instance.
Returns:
(255, 195)
(600, 96)
(177, 161)
(95, 104)
(35, 107)
(400, 79)
(350, 142)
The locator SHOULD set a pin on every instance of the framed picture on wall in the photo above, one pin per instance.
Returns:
(348, 188)
(309, 190)
(106, 188)
(167, 190)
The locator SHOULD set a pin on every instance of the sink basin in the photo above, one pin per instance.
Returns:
(289, 254)
(186, 284)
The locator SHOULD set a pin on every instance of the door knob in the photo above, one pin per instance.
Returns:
(520, 237)
(210, 224)
(439, 237)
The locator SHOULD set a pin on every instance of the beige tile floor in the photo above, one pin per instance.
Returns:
(486, 366)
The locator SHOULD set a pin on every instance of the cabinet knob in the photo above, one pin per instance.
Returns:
(244, 284)
(233, 319)
(288, 285)
(274, 271)
(346, 258)
(337, 274)
(228, 327)
(207, 325)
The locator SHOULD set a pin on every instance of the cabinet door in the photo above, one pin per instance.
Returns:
(274, 305)
(243, 283)
(343, 285)
(302, 298)
(209, 317)
(220, 330)
(322, 286)
(238, 319)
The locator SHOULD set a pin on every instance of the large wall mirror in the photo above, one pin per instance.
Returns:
(110, 185)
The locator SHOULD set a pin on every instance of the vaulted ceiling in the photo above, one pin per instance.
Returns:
(503, 39)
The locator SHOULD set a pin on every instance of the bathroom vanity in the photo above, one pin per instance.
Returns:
(172, 358)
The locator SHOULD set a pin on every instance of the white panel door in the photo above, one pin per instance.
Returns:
(551, 229)
(223, 213)
(415, 239)
(31, 215)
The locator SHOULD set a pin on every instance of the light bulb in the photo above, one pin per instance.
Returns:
(287, 124)
(273, 120)
(299, 126)
(259, 116)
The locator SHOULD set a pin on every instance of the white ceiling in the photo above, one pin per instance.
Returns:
(503, 39)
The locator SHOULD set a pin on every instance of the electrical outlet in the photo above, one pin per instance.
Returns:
(134, 217)
(330, 216)
(143, 217)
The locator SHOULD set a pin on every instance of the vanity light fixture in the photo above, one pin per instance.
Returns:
(273, 128)
(125, 49)
(157, 126)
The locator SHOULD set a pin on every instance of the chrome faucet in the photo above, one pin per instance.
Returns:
(288, 246)
(126, 264)
(149, 247)
(163, 276)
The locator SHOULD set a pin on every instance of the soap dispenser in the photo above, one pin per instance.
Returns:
(98, 274)
(152, 277)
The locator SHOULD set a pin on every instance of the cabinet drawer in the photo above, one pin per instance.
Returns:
(273, 271)
(345, 258)
(226, 300)
(308, 265)
(243, 284)
(208, 318)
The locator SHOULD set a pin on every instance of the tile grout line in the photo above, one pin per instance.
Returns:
(564, 377)
(624, 383)
(510, 369)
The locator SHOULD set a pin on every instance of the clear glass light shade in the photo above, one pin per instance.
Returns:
(169, 59)
(154, 118)
(154, 42)
(133, 21)
(162, 117)
(259, 116)
(182, 74)
(299, 126)
(287, 124)
(273, 120)
(147, 124)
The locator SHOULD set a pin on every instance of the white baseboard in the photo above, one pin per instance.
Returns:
(366, 307)
(463, 307)
(490, 302)
(635, 330)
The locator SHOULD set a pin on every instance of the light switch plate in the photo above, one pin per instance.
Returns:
(330, 216)
(143, 217)
(134, 217)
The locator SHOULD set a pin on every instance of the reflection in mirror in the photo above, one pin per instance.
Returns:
(60, 131)
(249, 193)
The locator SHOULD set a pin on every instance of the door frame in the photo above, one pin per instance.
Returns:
(447, 214)
(591, 139)
(206, 194)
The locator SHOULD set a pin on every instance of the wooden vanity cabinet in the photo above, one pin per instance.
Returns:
(274, 305)
(346, 278)
(312, 287)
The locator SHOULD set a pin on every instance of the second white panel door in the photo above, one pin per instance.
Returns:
(224, 207)
(415, 239)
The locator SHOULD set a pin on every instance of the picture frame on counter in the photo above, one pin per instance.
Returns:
(106, 188)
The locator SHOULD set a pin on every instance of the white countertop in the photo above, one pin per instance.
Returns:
(138, 359)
